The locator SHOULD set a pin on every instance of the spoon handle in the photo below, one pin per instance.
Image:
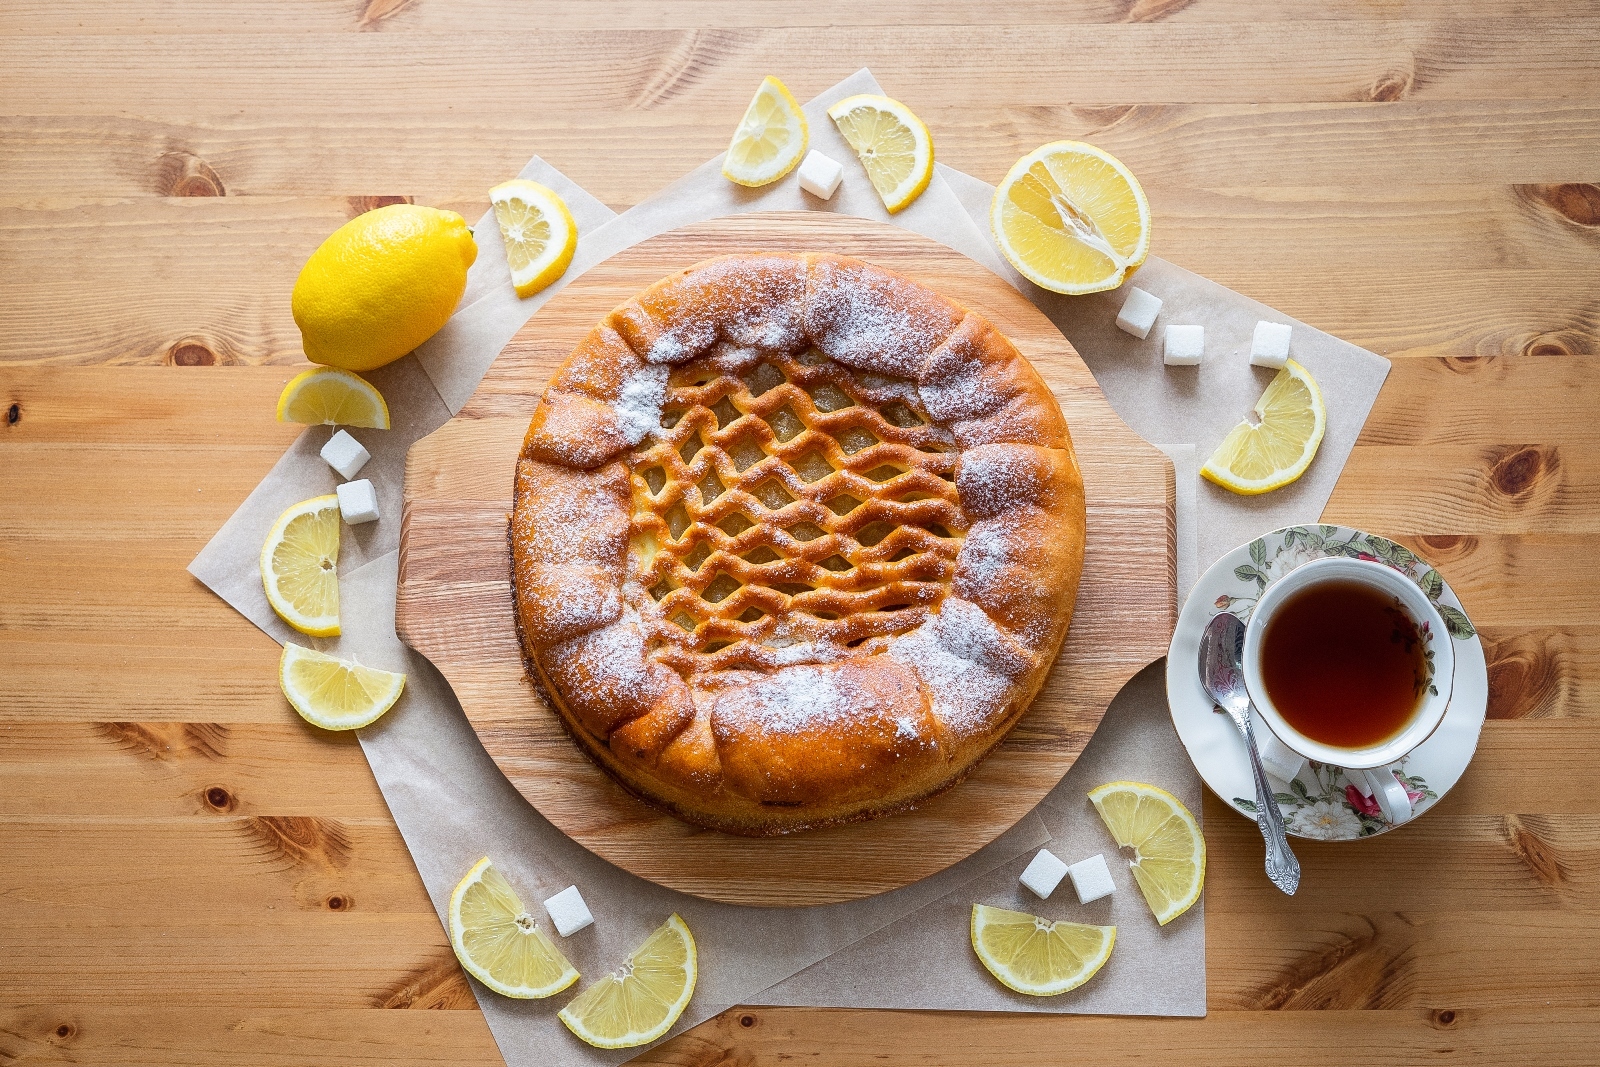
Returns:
(1282, 866)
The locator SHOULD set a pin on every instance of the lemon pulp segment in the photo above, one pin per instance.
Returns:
(640, 1002)
(1071, 218)
(300, 566)
(499, 942)
(1169, 861)
(1036, 956)
(770, 138)
(1277, 450)
(324, 396)
(336, 694)
(539, 232)
(893, 145)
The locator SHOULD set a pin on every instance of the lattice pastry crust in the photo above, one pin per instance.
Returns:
(795, 541)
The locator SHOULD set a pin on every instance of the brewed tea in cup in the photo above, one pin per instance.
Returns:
(1348, 662)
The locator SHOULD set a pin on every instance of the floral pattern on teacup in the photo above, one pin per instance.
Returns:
(1321, 803)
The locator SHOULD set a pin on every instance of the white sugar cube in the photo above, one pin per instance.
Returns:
(1044, 873)
(358, 502)
(1185, 347)
(568, 911)
(820, 175)
(1270, 345)
(1138, 313)
(1277, 758)
(1091, 878)
(345, 454)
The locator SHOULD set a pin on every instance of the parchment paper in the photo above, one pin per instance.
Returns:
(453, 806)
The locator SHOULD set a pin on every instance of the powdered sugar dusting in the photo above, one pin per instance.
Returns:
(575, 519)
(994, 479)
(966, 664)
(969, 393)
(589, 598)
(638, 407)
(669, 349)
(870, 321)
(802, 700)
(614, 657)
(986, 554)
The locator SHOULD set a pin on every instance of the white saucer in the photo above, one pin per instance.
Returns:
(1319, 803)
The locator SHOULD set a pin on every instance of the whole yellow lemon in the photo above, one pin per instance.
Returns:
(382, 284)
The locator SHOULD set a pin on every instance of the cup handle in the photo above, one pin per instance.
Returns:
(1393, 800)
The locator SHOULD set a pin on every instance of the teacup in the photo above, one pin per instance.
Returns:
(1413, 618)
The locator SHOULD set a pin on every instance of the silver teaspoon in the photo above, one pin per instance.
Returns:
(1222, 675)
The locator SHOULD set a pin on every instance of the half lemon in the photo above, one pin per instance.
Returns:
(1169, 861)
(770, 139)
(300, 566)
(539, 233)
(640, 1002)
(1036, 956)
(336, 694)
(324, 396)
(498, 941)
(1071, 218)
(1276, 450)
(891, 142)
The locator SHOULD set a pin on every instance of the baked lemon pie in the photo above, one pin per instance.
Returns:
(795, 542)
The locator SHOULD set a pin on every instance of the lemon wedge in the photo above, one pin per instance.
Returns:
(498, 941)
(323, 396)
(300, 566)
(1278, 449)
(640, 1002)
(336, 694)
(539, 233)
(1036, 956)
(1071, 218)
(1169, 860)
(891, 142)
(770, 139)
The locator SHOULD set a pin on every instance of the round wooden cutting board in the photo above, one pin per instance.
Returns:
(455, 603)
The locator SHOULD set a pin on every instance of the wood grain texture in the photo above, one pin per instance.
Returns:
(1415, 175)
(455, 607)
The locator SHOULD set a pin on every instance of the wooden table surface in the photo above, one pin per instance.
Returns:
(189, 875)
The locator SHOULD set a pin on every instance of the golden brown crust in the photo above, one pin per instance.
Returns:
(795, 541)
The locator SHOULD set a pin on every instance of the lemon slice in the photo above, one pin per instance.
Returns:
(336, 694)
(770, 139)
(1277, 450)
(327, 397)
(498, 942)
(1169, 851)
(539, 232)
(300, 566)
(891, 142)
(640, 1002)
(1036, 956)
(1071, 218)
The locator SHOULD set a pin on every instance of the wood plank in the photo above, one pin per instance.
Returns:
(35, 18)
(168, 1035)
(171, 769)
(96, 1033)
(410, 150)
(1375, 1037)
(641, 70)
